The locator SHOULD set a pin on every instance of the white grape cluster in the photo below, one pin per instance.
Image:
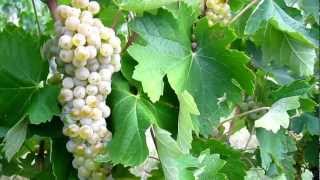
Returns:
(89, 53)
(218, 11)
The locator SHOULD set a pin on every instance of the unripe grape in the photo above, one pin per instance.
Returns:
(94, 40)
(79, 40)
(62, 11)
(73, 130)
(106, 50)
(97, 176)
(69, 69)
(78, 82)
(81, 53)
(100, 97)
(106, 33)
(93, 139)
(83, 29)
(94, 78)
(79, 150)
(90, 164)
(91, 101)
(78, 63)
(86, 17)
(105, 59)
(94, 7)
(97, 23)
(71, 146)
(91, 89)
(116, 66)
(104, 109)
(105, 74)
(93, 66)
(97, 148)
(96, 113)
(88, 153)
(83, 172)
(66, 55)
(116, 58)
(104, 87)
(79, 92)
(82, 73)
(86, 121)
(86, 111)
(80, 3)
(74, 12)
(92, 51)
(65, 95)
(72, 23)
(78, 103)
(67, 83)
(115, 42)
(85, 132)
(65, 42)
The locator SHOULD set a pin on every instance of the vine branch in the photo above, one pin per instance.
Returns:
(244, 114)
(52, 5)
(248, 6)
(36, 16)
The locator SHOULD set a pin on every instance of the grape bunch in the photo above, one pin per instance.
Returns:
(218, 11)
(89, 53)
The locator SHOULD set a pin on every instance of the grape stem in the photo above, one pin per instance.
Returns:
(248, 6)
(36, 16)
(52, 5)
(244, 114)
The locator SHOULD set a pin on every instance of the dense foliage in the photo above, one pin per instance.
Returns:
(211, 89)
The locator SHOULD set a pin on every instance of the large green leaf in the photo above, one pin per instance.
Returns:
(186, 123)
(174, 162)
(269, 12)
(142, 5)
(15, 138)
(274, 147)
(208, 74)
(21, 71)
(132, 115)
(277, 116)
(234, 167)
(44, 105)
(279, 50)
(307, 122)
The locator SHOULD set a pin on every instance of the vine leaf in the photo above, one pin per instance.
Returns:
(174, 162)
(186, 124)
(306, 121)
(133, 115)
(167, 52)
(279, 50)
(234, 167)
(210, 166)
(142, 5)
(269, 11)
(274, 147)
(277, 116)
(21, 71)
(44, 105)
(15, 138)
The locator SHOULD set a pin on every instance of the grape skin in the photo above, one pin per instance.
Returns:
(218, 11)
(89, 53)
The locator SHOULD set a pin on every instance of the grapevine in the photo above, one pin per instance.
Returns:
(89, 53)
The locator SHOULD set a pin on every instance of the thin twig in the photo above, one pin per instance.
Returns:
(36, 15)
(253, 2)
(244, 114)
(249, 139)
(131, 39)
(116, 19)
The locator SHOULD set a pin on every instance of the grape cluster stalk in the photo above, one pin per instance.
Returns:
(89, 53)
(218, 11)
